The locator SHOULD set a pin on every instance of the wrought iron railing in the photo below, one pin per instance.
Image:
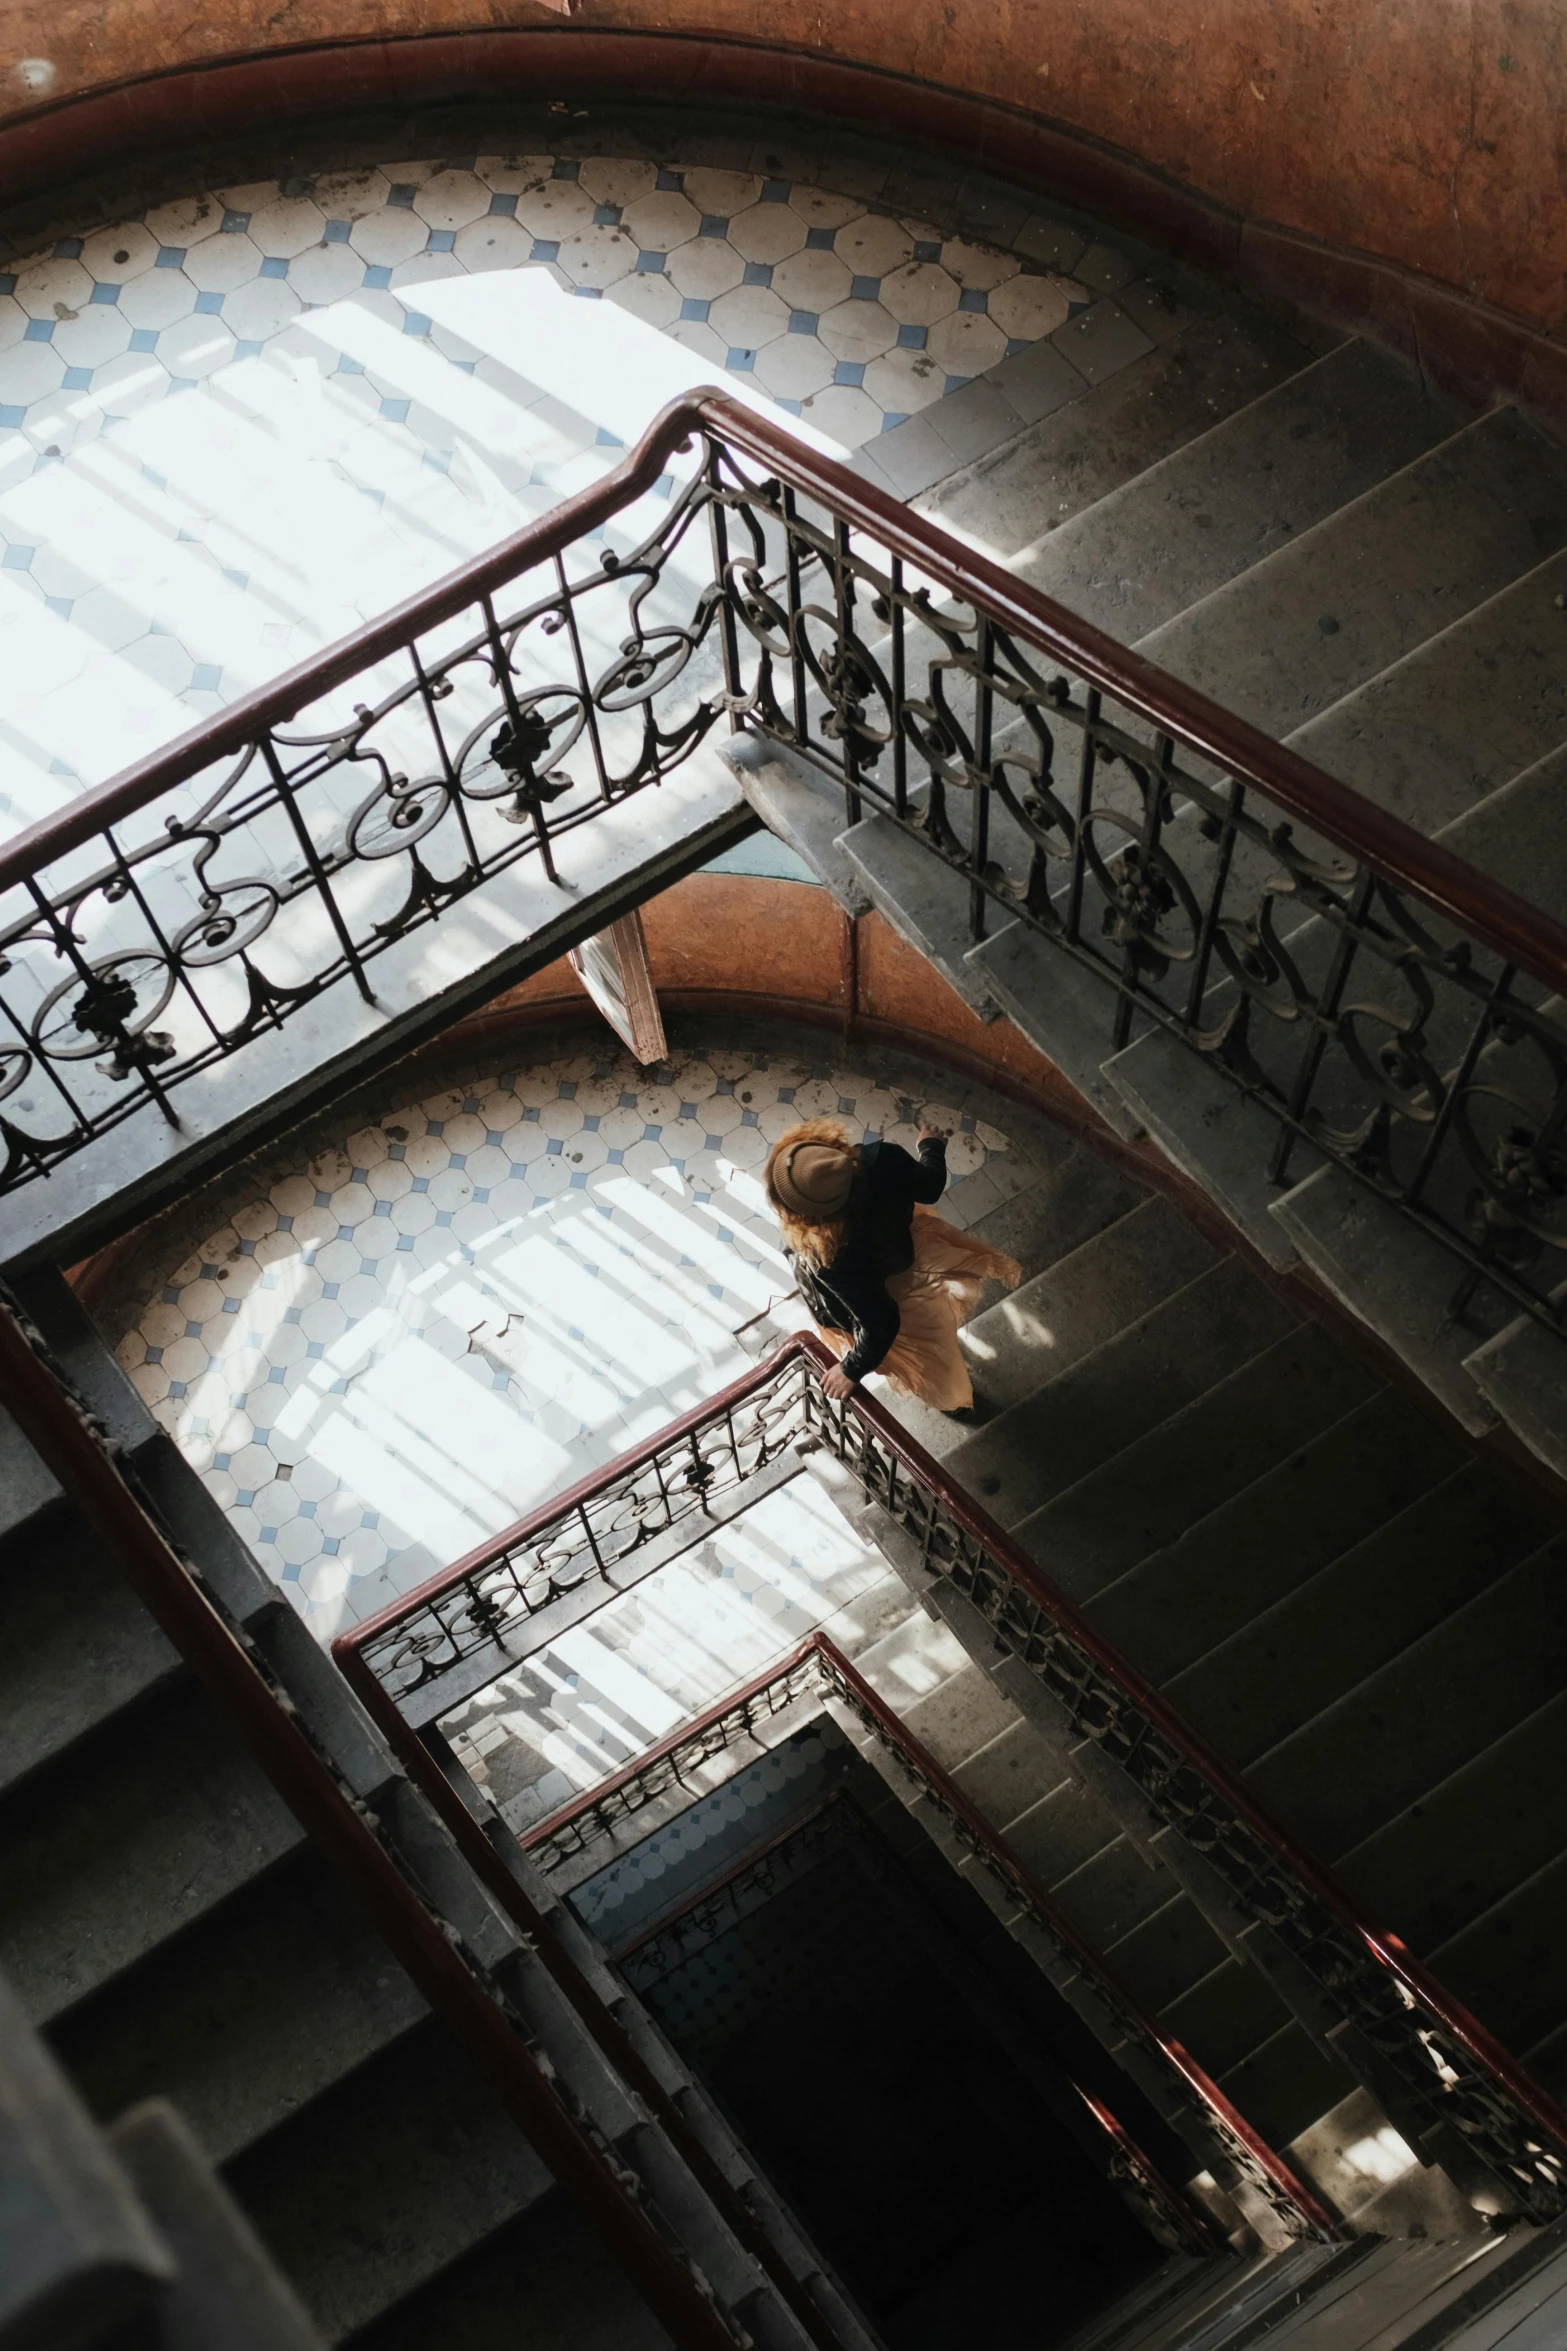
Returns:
(1391, 1010)
(819, 1669)
(1417, 2047)
(834, 1826)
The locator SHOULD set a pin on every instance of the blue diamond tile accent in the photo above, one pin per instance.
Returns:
(206, 677)
(758, 273)
(803, 322)
(819, 240)
(350, 367)
(61, 605)
(692, 307)
(395, 411)
(437, 460)
(545, 248)
(713, 225)
(144, 338)
(913, 338)
(926, 249)
(849, 371)
(377, 275)
(774, 192)
(235, 223)
(865, 289)
(606, 216)
(105, 296)
(1015, 344)
(68, 249)
(670, 182)
(13, 417)
(77, 379)
(7, 282)
(587, 293)
(893, 418)
(155, 1354)
(38, 330)
(236, 579)
(973, 298)
(416, 322)
(650, 265)
(402, 196)
(274, 266)
(247, 350)
(566, 168)
(441, 241)
(504, 207)
(338, 232)
(742, 362)
(209, 305)
(956, 383)
(603, 439)
(18, 558)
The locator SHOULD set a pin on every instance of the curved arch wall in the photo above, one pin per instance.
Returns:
(1395, 165)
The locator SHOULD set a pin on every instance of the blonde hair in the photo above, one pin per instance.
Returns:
(805, 1237)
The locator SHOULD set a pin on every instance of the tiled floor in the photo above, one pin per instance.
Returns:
(448, 1316)
(232, 428)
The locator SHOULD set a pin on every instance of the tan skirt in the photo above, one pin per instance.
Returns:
(938, 1293)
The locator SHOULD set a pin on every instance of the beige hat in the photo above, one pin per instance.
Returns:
(813, 1180)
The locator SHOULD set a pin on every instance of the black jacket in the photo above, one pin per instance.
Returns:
(851, 1293)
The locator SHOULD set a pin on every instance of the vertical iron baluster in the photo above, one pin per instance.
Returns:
(1492, 1011)
(1085, 800)
(1324, 1020)
(568, 598)
(453, 781)
(795, 612)
(41, 1061)
(728, 634)
(1156, 794)
(979, 779)
(843, 593)
(900, 748)
(500, 662)
(593, 1545)
(134, 890)
(283, 785)
(1210, 919)
(66, 942)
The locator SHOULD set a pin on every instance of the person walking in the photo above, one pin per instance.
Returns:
(886, 1280)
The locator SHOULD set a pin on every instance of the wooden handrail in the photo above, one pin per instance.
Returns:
(1446, 885)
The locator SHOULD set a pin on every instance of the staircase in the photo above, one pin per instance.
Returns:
(1346, 561)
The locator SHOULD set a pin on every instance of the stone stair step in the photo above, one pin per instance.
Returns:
(1081, 1195)
(1466, 1843)
(1042, 1328)
(1067, 462)
(926, 903)
(248, 2015)
(1236, 2019)
(76, 1645)
(1208, 1128)
(1522, 1375)
(106, 1856)
(1253, 483)
(1189, 1465)
(1387, 572)
(1405, 1729)
(1277, 1673)
(1462, 713)
(1183, 1347)
(1064, 1010)
(801, 806)
(1332, 1489)
(376, 2187)
(1506, 1965)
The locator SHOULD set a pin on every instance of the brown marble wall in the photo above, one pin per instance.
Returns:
(1429, 133)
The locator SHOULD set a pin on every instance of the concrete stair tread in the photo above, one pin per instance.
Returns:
(1077, 456)
(76, 1645)
(1286, 2083)
(1211, 1129)
(1064, 1010)
(1465, 1844)
(800, 805)
(1042, 1328)
(379, 2185)
(1345, 1624)
(1405, 1729)
(1332, 1489)
(1522, 1375)
(1387, 571)
(173, 1823)
(1128, 1385)
(924, 900)
(1080, 1196)
(1254, 482)
(1189, 1464)
(218, 2020)
(1506, 1965)
(1461, 713)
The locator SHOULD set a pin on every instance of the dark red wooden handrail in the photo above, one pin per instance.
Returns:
(64, 1438)
(1386, 1948)
(1446, 885)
